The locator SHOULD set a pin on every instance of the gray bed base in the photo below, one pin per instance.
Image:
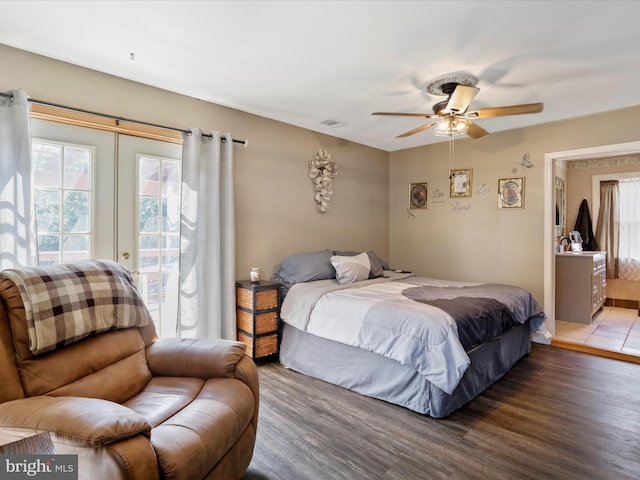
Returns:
(375, 376)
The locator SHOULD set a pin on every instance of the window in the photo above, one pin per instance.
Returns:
(629, 236)
(63, 197)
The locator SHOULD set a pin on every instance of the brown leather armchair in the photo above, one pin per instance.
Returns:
(130, 405)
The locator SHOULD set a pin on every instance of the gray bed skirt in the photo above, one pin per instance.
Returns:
(375, 376)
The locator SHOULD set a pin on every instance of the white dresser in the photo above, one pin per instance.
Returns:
(581, 285)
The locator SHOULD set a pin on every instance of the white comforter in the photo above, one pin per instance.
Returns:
(375, 316)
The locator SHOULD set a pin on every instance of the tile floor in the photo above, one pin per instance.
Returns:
(612, 328)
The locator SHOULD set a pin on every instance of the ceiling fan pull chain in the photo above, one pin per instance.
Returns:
(451, 152)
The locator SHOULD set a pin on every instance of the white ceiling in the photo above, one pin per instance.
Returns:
(304, 62)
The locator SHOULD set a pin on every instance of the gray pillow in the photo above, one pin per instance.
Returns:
(305, 267)
(377, 268)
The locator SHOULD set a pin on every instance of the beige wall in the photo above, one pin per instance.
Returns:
(483, 243)
(275, 209)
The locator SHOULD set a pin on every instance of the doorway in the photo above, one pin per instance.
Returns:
(551, 160)
(111, 196)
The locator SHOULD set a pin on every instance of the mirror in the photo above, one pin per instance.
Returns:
(560, 207)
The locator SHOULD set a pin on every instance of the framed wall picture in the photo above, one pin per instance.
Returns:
(460, 183)
(511, 192)
(418, 195)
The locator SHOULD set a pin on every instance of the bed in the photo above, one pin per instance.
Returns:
(426, 344)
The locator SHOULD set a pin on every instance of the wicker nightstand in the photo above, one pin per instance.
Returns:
(257, 317)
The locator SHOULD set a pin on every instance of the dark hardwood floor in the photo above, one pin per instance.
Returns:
(558, 414)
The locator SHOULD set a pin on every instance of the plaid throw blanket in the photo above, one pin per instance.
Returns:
(65, 303)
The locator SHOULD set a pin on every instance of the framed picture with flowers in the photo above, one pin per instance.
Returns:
(418, 195)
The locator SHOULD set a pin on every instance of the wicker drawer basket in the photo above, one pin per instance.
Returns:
(265, 322)
(264, 346)
(264, 299)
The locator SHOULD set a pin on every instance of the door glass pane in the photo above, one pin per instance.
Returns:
(171, 215)
(170, 251)
(77, 168)
(47, 210)
(171, 180)
(76, 212)
(149, 214)
(63, 193)
(48, 249)
(149, 181)
(149, 290)
(158, 238)
(47, 159)
(75, 248)
(148, 253)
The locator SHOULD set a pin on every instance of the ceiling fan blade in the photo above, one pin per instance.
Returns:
(476, 131)
(423, 115)
(460, 99)
(504, 111)
(416, 130)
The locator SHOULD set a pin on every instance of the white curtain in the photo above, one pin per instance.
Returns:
(207, 238)
(629, 211)
(18, 244)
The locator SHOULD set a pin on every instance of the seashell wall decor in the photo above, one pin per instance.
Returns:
(322, 170)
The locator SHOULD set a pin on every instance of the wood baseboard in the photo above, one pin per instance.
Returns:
(578, 347)
(622, 303)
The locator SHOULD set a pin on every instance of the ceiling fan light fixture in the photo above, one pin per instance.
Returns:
(452, 117)
(451, 127)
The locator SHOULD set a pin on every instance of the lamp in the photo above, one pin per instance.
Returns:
(451, 126)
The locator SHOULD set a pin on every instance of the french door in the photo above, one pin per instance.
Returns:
(106, 195)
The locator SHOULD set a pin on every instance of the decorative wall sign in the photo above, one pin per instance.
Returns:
(418, 195)
(461, 207)
(483, 190)
(321, 171)
(511, 192)
(460, 183)
(437, 196)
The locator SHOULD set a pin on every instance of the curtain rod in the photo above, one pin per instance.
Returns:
(245, 143)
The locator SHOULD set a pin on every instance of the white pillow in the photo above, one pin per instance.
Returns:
(352, 268)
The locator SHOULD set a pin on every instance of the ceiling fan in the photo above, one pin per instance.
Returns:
(452, 114)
